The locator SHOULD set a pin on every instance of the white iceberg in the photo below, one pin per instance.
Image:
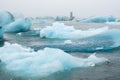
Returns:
(61, 31)
(25, 62)
(19, 25)
(99, 19)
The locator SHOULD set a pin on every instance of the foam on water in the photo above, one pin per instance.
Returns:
(25, 62)
(61, 31)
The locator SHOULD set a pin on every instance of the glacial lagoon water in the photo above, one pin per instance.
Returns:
(102, 45)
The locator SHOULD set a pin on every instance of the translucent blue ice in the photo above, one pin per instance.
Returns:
(5, 18)
(19, 25)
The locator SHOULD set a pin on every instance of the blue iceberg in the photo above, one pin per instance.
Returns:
(61, 31)
(9, 24)
(99, 19)
(5, 18)
(25, 62)
(19, 25)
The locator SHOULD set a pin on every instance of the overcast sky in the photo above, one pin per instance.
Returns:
(80, 8)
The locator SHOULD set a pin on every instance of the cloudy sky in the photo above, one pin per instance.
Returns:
(80, 8)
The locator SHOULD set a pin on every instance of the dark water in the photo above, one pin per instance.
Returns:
(106, 71)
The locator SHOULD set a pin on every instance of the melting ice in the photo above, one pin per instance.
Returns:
(25, 62)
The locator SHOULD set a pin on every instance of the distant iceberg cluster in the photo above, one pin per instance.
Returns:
(62, 18)
(25, 62)
(99, 19)
(61, 31)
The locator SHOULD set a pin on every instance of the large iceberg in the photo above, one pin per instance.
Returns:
(23, 61)
(61, 31)
(5, 18)
(99, 19)
(19, 25)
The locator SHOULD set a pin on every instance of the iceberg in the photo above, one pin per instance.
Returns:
(61, 31)
(22, 61)
(99, 19)
(5, 18)
(9, 24)
(19, 25)
(62, 18)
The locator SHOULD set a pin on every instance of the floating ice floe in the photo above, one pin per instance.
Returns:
(19, 25)
(25, 62)
(61, 31)
(99, 19)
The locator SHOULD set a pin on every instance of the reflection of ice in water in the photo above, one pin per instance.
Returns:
(59, 30)
(25, 62)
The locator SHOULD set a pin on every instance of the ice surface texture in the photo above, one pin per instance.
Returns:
(25, 62)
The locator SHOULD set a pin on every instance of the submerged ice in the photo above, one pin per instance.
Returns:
(61, 31)
(25, 62)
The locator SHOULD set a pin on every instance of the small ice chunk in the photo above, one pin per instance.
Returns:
(19, 34)
(68, 42)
